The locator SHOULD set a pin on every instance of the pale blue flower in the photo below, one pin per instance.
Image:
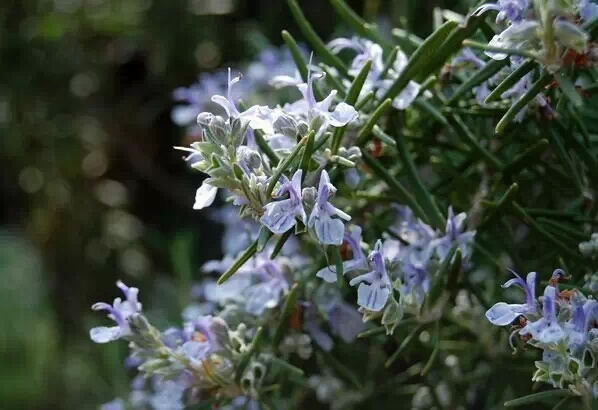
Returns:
(120, 311)
(583, 312)
(168, 396)
(270, 289)
(374, 287)
(502, 314)
(366, 50)
(259, 117)
(311, 324)
(546, 330)
(455, 235)
(345, 321)
(416, 280)
(515, 36)
(511, 10)
(357, 261)
(411, 90)
(588, 10)
(328, 230)
(312, 110)
(116, 404)
(280, 216)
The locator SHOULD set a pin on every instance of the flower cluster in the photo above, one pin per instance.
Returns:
(334, 228)
(543, 28)
(562, 324)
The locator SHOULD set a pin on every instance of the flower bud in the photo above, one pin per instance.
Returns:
(218, 130)
(205, 118)
(237, 132)
(286, 125)
(571, 35)
(309, 195)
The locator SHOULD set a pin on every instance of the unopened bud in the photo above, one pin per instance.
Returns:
(286, 125)
(205, 118)
(571, 35)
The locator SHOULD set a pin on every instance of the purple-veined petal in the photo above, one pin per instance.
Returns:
(327, 274)
(342, 115)
(329, 231)
(279, 216)
(372, 297)
(228, 106)
(502, 314)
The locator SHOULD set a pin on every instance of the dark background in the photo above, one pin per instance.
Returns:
(91, 189)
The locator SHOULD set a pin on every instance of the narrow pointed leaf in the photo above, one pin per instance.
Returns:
(285, 164)
(420, 59)
(246, 357)
(280, 243)
(365, 133)
(410, 337)
(285, 314)
(361, 27)
(478, 78)
(422, 195)
(525, 99)
(316, 42)
(568, 89)
(538, 397)
(396, 187)
(512, 79)
(525, 159)
(351, 99)
(245, 256)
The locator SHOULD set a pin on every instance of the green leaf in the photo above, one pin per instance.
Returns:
(263, 237)
(341, 369)
(307, 154)
(478, 78)
(296, 54)
(429, 108)
(372, 332)
(509, 51)
(512, 79)
(568, 89)
(440, 278)
(286, 366)
(535, 226)
(406, 342)
(246, 357)
(548, 395)
(316, 42)
(422, 195)
(503, 204)
(462, 131)
(281, 241)
(432, 358)
(534, 90)
(351, 99)
(525, 159)
(285, 164)
(408, 41)
(240, 261)
(397, 189)
(285, 314)
(338, 264)
(420, 60)
(360, 26)
(365, 133)
(357, 84)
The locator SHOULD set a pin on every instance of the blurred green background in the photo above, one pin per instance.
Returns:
(92, 190)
